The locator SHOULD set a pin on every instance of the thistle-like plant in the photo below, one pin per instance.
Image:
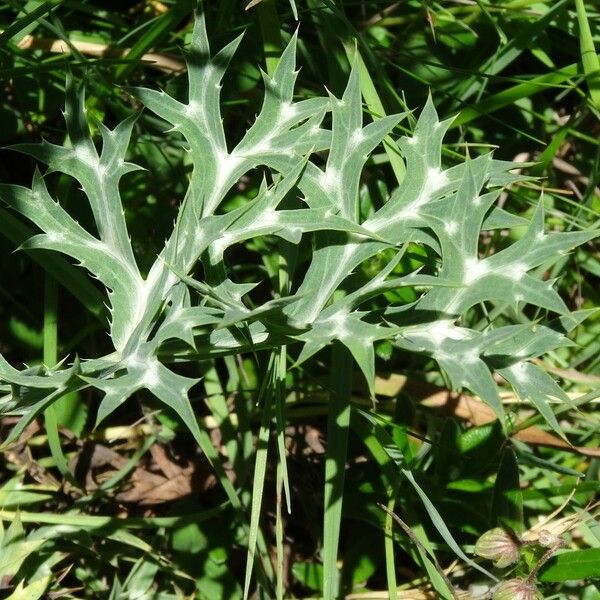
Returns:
(311, 187)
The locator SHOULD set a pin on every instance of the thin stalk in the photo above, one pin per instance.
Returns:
(415, 540)
(279, 533)
(390, 567)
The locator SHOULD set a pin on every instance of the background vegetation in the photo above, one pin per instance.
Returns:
(139, 512)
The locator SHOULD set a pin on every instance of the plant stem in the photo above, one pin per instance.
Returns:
(390, 567)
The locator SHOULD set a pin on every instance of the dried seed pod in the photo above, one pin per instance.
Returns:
(547, 539)
(499, 545)
(517, 589)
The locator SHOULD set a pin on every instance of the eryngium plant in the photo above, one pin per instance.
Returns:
(168, 317)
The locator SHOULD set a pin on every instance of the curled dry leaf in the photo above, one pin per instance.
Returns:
(156, 480)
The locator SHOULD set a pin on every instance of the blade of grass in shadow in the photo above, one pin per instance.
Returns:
(508, 53)
(508, 96)
(163, 26)
(112, 523)
(382, 442)
(243, 409)
(415, 540)
(268, 20)
(507, 500)
(589, 58)
(330, 29)
(338, 424)
(238, 417)
(260, 469)
(388, 456)
(50, 360)
(280, 394)
(279, 532)
(129, 466)
(554, 145)
(493, 22)
(440, 525)
(63, 272)
(21, 25)
(217, 403)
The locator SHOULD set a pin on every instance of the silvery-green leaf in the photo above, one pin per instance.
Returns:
(533, 384)
(521, 342)
(181, 323)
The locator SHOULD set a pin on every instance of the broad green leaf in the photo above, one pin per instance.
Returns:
(572, 565)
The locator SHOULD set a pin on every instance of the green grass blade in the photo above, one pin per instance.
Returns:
(111, 523)
(507, 501)
(20, 25)
(589, 58)
(279, 533)
(260, 469)
(129, 466)
(50, 360)
(63, 272)
(50, 321)
(509, 96)
(440, 525)
(163, 26)
(438, 578)
(280, 421)
(509, 52)
(217, 403)
(388, 457)
(271, 34)
(494, 22)
(338, 424)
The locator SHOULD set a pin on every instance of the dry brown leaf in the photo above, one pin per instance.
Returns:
(153, 481)
(162, 460)
(158, 61)
(147, 489)
(470, 409)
